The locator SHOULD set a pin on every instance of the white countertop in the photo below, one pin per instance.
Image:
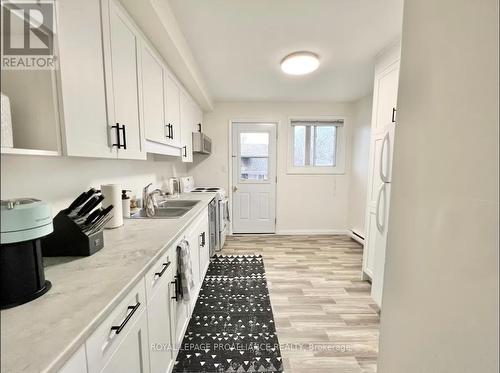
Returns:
(41, 335)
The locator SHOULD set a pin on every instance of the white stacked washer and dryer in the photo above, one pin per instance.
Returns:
(218, 211)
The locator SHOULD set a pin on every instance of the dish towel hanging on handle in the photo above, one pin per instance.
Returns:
(184, 270)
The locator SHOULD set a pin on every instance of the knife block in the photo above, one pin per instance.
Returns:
(67, 239)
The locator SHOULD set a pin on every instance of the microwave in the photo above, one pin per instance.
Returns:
(201, 143)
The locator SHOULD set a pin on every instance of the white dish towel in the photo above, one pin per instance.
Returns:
(184, 270)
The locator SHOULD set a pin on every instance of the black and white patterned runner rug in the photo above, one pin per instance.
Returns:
(232, 325)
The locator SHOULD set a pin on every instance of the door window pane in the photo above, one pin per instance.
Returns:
(254, 155)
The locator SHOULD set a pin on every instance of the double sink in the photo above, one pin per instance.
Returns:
(169, 209)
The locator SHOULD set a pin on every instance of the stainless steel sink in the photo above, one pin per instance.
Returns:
(180, 203)
(172, 209)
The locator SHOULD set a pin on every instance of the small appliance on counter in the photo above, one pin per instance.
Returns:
(78, 228)
(24, 222)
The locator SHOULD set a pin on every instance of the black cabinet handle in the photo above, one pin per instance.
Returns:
(120, 327)
(175, 289)
(165, 266)
(185, 151)
(170, 131)
(203, 239)
(393, 115)
(124, 137)
(199, 127)
(117, 129)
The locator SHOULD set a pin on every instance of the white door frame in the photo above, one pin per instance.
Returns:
(230, 165)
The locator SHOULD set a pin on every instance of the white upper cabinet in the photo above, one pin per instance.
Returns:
(153, 96)
(82, 90)
(386, 97)
(121, 43)
(187, 127)
(173, 110)
(114, 90)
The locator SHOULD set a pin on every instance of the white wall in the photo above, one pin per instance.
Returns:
(360, 153)
(305, 203)
(59, 180)
(441, 276)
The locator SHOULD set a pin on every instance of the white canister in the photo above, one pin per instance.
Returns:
(7, 139)
(112, 196)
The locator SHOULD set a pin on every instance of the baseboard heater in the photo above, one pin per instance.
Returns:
(356, 236)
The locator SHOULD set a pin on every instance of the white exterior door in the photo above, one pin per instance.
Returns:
(254, 177)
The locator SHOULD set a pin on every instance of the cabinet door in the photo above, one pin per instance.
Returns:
(181, 312)
(173, 109)
(159, 326)
(77, 363)
(153, 96)
(82, 90)
(195, 263)
(132, 355)
(187, 127)
(122, 79)
(204, 245)
(385, 97)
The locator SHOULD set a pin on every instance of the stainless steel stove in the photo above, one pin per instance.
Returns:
(221, 213)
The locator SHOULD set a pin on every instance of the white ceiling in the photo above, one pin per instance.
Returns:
(239, 44)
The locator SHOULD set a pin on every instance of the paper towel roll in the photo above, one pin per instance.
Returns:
(112, 196)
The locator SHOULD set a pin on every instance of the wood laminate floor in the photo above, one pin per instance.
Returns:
(325, 319)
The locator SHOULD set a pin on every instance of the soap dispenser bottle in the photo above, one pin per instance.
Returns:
(125, 203)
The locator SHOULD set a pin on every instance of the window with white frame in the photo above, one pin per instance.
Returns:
(316, 146)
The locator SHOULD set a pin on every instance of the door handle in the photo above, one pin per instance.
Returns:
(384, 178)
(380, 226)
(393, 119)
(235, 189)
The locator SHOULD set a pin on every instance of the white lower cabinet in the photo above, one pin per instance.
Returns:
(145, 330)
(120, 343)
(132, 354)
(77, 363)
(182, 313)
(159, 323)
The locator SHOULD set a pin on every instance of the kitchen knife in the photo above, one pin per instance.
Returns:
(102, 215)
(90, 205)
(100, 223)
(92, 216)
(102, 212)
(80, 200)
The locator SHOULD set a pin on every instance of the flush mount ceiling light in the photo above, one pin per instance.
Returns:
(300, 63)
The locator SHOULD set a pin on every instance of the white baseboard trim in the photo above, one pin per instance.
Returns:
(312, 232)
